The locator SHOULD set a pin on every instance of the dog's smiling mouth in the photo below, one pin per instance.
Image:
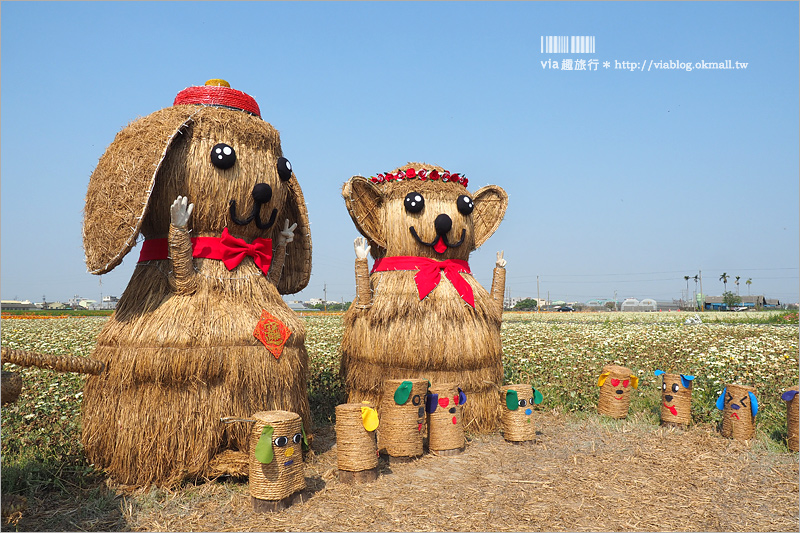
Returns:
(262, 194)
(440, 243)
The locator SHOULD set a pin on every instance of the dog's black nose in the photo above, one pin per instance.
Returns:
(668, 397)
(421, 412)
(262, 193)
(442, 224)
(452, 410)
(620, 392)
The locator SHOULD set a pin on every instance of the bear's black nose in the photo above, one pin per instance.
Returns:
(442, 224)
(262, 193)
(668, 397)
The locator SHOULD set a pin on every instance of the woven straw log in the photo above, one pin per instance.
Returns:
(445, 424)
(60, 363)
(679, 401)
(403, 426)
(356, 448)
(792, 422)
(614, 401)
(518, 425)
(284, 475)
(738, 423)
(11, 387)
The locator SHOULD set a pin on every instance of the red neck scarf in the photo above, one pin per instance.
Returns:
(430, 273)
(228, 249)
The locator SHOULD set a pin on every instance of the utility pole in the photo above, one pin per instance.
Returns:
(538, 299)
(325, 297)
(702, 296)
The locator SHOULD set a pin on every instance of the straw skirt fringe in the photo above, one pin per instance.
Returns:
(441, 339)
(177, 364)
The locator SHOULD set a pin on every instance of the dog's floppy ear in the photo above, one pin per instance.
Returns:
(721, 399)
(402, 393)
(686, 381)
(789, 395)
(753, 404)
(431, 402)
(512, 400)
(120, 186)
(263, 451)
(297, 266)
(364, 202)
(602, 378)
(490, 208)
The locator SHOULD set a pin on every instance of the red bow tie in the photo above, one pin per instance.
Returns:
(228, 249)
(430, 273)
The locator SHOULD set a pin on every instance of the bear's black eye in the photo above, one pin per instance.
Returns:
(280, 442)
(223, 156)
(674, 387)
(414, 202)
(465, 204)
(284, 169)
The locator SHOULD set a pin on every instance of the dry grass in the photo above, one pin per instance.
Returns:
(586, 473)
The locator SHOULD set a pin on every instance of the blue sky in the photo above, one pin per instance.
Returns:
(620, 182)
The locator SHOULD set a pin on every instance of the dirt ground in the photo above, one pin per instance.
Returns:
(583, 473)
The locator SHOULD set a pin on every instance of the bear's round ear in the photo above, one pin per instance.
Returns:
(364, 202)
(121, 184)
(297, 266)
(490, 208)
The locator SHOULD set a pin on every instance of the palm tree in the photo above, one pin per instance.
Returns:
(696, 277)
(737, 285)
(687, 286)
(724, 279)
(749, 282)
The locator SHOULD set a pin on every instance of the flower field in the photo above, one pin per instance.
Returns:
(561, 354)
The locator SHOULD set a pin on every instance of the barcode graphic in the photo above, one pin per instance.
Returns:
(567, 44)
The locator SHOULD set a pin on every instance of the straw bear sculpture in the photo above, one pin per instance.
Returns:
(201, 331)
(421, 313)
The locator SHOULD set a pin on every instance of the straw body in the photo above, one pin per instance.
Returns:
(283, 476)
(737, 417)
(518, 424)
(402, 425)
(676, 400)
(615, 395)
(445, 423)
(356, 448)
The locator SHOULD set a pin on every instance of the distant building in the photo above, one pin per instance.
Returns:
(715, 303)
(300, 306)
(17, 305)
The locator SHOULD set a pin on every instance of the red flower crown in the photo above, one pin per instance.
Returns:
(422, 174)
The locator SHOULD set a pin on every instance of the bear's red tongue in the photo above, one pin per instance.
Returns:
(440, 246)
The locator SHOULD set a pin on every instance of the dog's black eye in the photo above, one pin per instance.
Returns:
(674, 387)
(297, 438)
(281, 441)
(223, 156)
(416, 399)
(743, 402)
(523, 403)
(414, 202)
(284, 169)
(664, 387)
(728, 397)
(465, 204)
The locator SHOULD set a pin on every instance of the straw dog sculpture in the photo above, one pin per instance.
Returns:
(201, 331)
(421, 314)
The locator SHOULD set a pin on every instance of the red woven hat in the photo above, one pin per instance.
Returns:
(218, 93)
